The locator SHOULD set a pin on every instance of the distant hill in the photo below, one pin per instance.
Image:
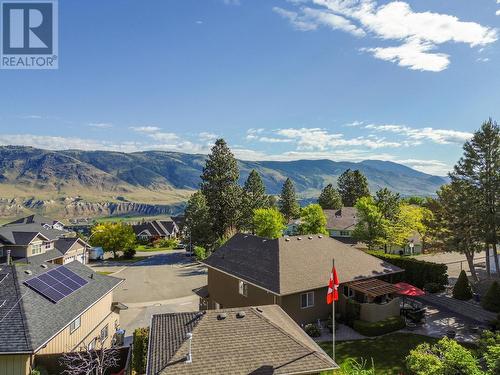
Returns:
(52, 180)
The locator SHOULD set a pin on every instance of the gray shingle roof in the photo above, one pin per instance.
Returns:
(345, 218)
(43, 319)
(64, 244)
(35, 219)
(264, 341)
(22, 234)
(13, 333)
(293, 264)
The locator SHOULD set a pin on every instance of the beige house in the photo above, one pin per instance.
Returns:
(34, 328)
(251, 340)
(34, 242)
(293, 272)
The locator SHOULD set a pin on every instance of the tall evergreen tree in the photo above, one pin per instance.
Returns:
(220, 187)
(388, 203)
(352, 185)
(197, 222)
(254, 197)
(330, 199)
(480, 169)
(288, 201)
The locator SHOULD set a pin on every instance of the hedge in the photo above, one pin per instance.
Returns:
(491, 300)
(379, 328)
(140, 350)
(417, 272)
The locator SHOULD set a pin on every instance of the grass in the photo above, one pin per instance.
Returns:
(388, 352)
(105, 272)
(147, 248)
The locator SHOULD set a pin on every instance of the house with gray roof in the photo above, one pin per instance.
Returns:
(156, 229)
(34, 241)
(46, 222)
(260, 340)
(33, 327)
(342, 222)
(293, 272)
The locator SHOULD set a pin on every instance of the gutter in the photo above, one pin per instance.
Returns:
(149, 345)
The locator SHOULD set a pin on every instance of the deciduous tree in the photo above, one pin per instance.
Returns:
(313, 220)
(113, 237)
(268, 222)
(371, 227)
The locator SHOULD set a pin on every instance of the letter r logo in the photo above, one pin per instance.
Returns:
(27, 28)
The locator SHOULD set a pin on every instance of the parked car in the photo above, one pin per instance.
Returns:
(96, 253)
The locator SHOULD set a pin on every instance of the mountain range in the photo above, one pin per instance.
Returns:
(58, 181)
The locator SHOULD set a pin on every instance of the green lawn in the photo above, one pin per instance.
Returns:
(105, 272)
(388, 352)
(147, 248)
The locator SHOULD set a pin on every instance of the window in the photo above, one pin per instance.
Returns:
(306, 300)
(36, 248)
(243, 288)
(75, 324)
(345, 233)
(47, 245)
(104, 333)
(348, 292)
(92, 344)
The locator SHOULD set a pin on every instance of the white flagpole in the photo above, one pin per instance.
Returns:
(333, 312)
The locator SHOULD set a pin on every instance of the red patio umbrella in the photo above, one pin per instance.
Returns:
(406, 289)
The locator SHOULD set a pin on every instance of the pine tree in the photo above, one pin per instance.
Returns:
(480, 169)
(352, 185)
(288, 202)
(197, 221)
(388, 203)
(220, 187)
(462, 289)
(329, 198)
(254, 197)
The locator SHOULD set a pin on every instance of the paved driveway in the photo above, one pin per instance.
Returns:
(159, 284)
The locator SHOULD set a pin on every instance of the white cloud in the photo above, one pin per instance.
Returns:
(497, 12)
(232, 2)
(414, 55)
(441, 136)
(207, 137)
(145, 129)
(31, 117)
(101, 125)
(435, 167)
(483, 59)
(418, 32)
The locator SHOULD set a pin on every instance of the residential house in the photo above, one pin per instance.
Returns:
(293, 272)
(341, 223)
(47, 309)
(33, 242)
(251, 340)
(156, 229)
(46, 222)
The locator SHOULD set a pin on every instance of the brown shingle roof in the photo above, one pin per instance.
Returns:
(294, 264)
(264, 341)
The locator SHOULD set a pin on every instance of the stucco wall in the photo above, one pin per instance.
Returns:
(224, 289)
(292, 305)
(373, 312)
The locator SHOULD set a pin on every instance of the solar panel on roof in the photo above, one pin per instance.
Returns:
(56, 284)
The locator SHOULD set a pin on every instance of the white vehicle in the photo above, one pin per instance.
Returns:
(96, 253)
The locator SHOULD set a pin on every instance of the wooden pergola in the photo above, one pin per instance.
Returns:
(373, 287)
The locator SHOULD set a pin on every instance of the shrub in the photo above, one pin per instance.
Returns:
(462, 289)
(312, 330)
(491, 300)
(495, 323)
(128, 253)
(433, 287)
(379, 328)
(169, 243)
(140, 350)
(353, 309)
(487, 339)
(417, 272)
(200, 252)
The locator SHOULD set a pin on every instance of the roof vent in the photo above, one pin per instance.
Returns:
(310, 237)
(221, 316)
(44, 266)
(189, 357)
(299, 238)
(287, 239)
(28, 272)
(259, 309)
(240, 314)
(320, 236)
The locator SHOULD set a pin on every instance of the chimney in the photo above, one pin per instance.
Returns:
(8, 257)
(189, 357)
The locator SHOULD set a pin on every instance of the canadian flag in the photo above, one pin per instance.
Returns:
(333, 287)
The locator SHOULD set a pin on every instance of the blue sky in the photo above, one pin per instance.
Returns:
(282, 80)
